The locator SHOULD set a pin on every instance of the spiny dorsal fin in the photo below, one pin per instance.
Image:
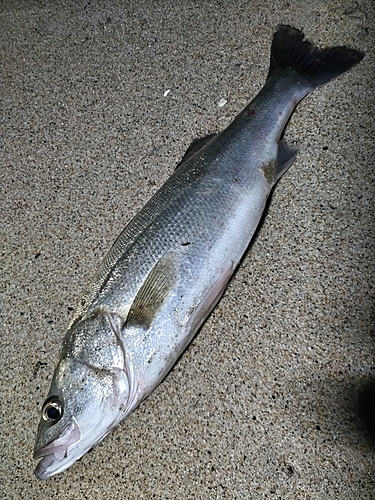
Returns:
(153, 292)
(195, 146)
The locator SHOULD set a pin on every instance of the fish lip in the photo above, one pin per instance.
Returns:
(53, 453)
(69, 435)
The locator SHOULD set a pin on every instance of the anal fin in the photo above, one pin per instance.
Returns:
(210, 298)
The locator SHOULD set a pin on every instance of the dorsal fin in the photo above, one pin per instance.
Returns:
(195, 146)
(154, 290)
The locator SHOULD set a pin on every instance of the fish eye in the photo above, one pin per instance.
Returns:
(52, 410)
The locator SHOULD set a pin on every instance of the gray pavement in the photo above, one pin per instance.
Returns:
(274, 398)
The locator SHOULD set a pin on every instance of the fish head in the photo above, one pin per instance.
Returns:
(90, 393)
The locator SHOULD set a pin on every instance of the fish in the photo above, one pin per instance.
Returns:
(171, 264)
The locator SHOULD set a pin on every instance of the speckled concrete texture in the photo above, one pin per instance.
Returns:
(274, 398)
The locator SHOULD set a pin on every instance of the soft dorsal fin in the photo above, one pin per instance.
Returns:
(195, 146)
(154, 290)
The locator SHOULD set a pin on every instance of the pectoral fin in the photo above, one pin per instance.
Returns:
(153, 292)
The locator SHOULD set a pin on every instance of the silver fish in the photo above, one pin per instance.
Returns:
(171, 264)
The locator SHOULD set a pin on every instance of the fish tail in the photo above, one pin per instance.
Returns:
(317, 66)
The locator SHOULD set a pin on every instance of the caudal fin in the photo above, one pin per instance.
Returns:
(317, 66)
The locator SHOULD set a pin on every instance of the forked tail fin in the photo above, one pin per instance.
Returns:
(317, 66)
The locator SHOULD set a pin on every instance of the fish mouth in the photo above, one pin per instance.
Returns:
(54, 454)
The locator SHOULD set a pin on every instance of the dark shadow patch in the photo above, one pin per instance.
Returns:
(347, 410)
(366, 409)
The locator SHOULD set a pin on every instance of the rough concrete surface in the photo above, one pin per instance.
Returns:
(275, 396)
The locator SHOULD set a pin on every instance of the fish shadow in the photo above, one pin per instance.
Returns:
(346, 408)
(366, 409)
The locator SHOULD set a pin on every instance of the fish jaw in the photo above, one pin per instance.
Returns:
(54, 454)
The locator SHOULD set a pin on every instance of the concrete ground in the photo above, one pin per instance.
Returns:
(274, 398)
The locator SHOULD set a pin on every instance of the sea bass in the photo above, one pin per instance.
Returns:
(171, 264)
